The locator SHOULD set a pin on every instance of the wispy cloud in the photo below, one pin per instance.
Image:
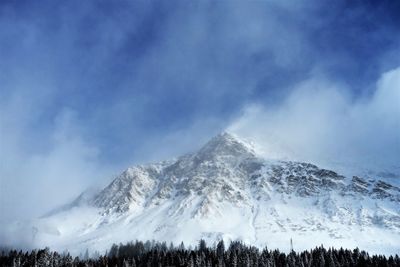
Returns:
(320, 122)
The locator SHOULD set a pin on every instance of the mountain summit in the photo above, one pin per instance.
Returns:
(211, 171)
(226, 144)
(226, 191)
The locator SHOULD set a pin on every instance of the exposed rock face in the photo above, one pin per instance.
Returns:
(131, 188)
(360, 185)
(304, 179)
(382, 190)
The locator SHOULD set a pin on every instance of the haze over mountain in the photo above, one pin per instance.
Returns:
(226, 191)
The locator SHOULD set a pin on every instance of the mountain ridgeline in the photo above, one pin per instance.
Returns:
(223, 170)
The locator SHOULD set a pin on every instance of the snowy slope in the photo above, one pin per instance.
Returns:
(225, 190)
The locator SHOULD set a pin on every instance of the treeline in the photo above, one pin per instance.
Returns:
(237, 254)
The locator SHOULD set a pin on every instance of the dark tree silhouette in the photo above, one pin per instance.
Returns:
(156, 254)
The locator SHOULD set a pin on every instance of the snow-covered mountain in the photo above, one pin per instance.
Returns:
(225, 190)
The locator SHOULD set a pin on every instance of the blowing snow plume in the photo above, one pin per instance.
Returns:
(320, 122)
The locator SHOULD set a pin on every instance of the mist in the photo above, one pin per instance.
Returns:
(320, 122)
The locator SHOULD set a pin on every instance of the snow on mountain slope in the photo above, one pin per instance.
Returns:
(225, 190)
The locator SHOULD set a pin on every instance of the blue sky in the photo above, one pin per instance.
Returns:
(88, 88)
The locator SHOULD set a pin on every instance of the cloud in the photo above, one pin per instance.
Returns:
(90, 88)
(321, 122)
(34, 183)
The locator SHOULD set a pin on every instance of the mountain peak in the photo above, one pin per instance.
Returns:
(227, 144)
(226, 137)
